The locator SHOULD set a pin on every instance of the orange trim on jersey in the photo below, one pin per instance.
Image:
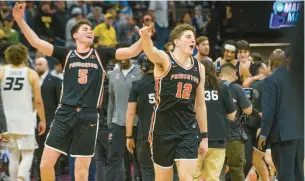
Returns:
(66, 61)
(181, 64)
(101, 95)
(84, 57)
(199, 67)
(170, 65)
(157, 103)
(99, 60)
(100, 103)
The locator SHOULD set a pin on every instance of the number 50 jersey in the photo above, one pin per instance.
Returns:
(175, 97)
(16, 92)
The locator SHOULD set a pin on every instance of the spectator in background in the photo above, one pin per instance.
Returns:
(114, 13)
(76, 14)
(106, 33)
(11, 35)
(30, 13)
(125, 9)
(5, 10)
(50, 92)
(203, 49)
(160, 10)
(96, 17)
(57, 71)
(61, 16)
(43, 22)
(198, 21)
(186, 19)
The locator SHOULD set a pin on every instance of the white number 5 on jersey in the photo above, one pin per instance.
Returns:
(211, 95)
(152, 98)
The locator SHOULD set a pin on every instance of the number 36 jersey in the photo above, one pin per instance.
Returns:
(16, 92)
(175, 97)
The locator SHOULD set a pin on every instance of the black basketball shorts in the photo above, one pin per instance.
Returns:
(167, 148)
(74, 131)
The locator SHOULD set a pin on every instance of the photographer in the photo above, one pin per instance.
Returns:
(235, 149)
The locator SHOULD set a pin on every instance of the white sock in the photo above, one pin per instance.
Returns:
(26, 163)
(14, 163)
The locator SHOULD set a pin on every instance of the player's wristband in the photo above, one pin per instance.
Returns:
(128, 137)
(204, 135)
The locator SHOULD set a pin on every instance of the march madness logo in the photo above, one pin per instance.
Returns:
(285, 14)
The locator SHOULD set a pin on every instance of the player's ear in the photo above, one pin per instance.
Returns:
(176, 42)
(75, 35)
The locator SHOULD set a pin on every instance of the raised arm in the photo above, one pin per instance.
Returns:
(43, 46)
(153, 54)
(129, 52)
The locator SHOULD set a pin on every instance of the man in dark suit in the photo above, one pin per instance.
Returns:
(50, 92)
(282, 122)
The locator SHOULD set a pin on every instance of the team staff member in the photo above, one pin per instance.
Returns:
(282, 122)
(220, 110)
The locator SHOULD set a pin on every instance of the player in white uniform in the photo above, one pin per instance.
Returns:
(19, 85)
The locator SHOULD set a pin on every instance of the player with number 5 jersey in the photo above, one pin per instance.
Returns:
(75, 124)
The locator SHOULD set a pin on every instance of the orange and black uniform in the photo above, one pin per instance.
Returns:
(173, 123)
(76, 121)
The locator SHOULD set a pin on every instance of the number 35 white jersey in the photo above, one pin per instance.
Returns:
(16, 93)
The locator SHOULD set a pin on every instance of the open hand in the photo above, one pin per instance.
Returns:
(18, 11)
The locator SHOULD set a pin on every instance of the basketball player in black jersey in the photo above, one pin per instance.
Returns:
(220, 110)
(179, 86)
(75, 124)
(229, 56)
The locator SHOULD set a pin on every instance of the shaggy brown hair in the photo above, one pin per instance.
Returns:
(16, 54)
(178, 31)
(78, 24)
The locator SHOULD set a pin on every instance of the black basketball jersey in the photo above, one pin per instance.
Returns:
(83, 80)
(175, 97)
(237, 66)
(143, 93)
(218, 104)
